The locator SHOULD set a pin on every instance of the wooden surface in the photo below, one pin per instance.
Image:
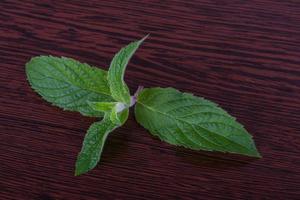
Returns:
(244, 55)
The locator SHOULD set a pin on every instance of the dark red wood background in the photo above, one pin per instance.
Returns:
(244, 55)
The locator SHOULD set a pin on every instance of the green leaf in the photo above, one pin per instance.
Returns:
(114, 116)
(67, 83)
(193, 122)
(94, 142)
(118, 87)
(113, 108)
(102, 106)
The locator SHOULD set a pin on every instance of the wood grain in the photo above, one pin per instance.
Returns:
(244, 55)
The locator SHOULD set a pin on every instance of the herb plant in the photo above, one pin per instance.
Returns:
(177, 118)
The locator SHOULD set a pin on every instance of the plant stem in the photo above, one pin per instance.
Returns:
(134, 97)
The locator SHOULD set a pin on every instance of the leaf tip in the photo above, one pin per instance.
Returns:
(76, 173)
(254, 153)
(79, 170)
(258, 155)
(144, 38)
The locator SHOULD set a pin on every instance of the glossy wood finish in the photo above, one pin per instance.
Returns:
(244, 55)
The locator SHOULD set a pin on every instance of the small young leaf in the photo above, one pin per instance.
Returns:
(94, 141)
(190, 121)
(118, 87)
(67, 83)
(112, 108)
(102, 106)
(114, 116)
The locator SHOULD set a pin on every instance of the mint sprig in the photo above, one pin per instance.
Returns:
(177, 118)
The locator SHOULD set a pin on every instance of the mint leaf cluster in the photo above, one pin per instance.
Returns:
(175, 117)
